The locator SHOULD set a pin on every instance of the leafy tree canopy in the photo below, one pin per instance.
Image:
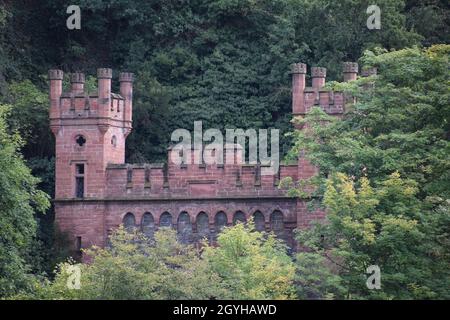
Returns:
(134, 267)
(383, 181)
(19, 200)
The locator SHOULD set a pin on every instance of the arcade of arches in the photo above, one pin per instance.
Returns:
(198, 227)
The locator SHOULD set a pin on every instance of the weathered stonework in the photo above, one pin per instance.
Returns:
(196, 200)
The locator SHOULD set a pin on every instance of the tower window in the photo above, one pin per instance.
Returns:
(80, 168)
(80, 140)
(79, 180)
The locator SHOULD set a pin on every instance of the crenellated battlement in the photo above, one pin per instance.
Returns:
(159, 181)
(78, 106)
(304, 97)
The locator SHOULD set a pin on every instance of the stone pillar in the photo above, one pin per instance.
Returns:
(318, 75)
(126, 91)
(104, 76)
(55, 77)
(298, 71)
(77, 82)
(350, 71)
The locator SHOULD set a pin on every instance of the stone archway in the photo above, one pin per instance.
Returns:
(277, 224)
(239, 216)
(184, 228)
(258, 219)
(165, 220)
(129, 221)
(148, 225)
(202, 222)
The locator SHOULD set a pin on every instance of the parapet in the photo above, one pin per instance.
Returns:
(79, 104)
(161, 181)
(304, 98)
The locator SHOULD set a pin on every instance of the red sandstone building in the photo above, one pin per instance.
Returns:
(96, 190)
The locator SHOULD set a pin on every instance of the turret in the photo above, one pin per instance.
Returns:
(126, 91)
(55, 77)
(318, 75)
(77, 82)
(104, 76)
(350, 71)
(90, 131)
(298, 71)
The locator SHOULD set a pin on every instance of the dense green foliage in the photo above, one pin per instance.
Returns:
(19, 199)
(384, 179)
(133, 267)
(225, 62)
(253, 265)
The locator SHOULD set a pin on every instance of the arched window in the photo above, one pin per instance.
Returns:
(239, 216)
(148, 225)
(184, 228)
(277, 223)
(258, 219)
(202, 225)
(220, 221)
(129, 222)
(165, 220)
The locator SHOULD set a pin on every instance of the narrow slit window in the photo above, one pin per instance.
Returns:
(78, 244)
(129, 175)
(80, 169)
(79, 181)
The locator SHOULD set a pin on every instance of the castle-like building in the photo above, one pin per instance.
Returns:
(96, 190)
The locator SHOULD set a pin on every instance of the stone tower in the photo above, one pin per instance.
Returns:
(90, 132)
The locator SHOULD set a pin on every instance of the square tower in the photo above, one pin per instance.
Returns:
(90, 132)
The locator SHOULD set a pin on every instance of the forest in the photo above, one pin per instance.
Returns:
(384, 168)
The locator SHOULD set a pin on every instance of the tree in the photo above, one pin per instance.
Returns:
(335, 31)
(220, 61)
(19, 201)
(383, 226)
(251, 264)
(430, 19)
(402, 124)
(245, 266)
(31, 118)
(134, 267)
(384, 178)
